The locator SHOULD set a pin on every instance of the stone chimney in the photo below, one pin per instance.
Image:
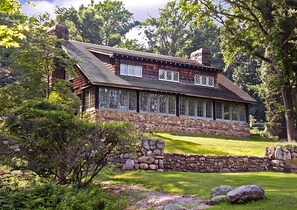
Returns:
(60, 31)
(202, 56)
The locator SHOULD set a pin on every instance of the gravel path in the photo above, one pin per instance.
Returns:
(148, 199)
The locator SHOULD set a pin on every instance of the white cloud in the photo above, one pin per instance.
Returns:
(141, 9)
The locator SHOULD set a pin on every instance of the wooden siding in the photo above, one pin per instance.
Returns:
(80, 81)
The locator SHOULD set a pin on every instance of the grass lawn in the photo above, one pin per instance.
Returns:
(213, 145)
(280, 188)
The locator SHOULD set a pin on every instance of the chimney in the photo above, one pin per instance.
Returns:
(60, 31)
(202, 56)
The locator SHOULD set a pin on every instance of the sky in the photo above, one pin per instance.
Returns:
(141, 9)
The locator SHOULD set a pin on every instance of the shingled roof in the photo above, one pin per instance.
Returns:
(98, 74)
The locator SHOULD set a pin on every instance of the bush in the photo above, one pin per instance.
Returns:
(53, 196)
(56, 143)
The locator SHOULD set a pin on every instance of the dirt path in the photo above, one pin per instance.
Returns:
(148, 199)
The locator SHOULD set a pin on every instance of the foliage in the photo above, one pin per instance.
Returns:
(279, 187)
(34, 64)
(245, 72)
(213, 145)
(265, 29)
(103, 23)
(53, 196)
(12, 23)
(173, 34)
(58, 144)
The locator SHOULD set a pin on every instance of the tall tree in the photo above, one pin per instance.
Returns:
(262, 28)
(104, 23)
(35, 60)
(12, 23)
(173, 34)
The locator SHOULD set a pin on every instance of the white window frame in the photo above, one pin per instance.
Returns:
(167, 73)
(198, 80)
(124, 70)
(240, 107)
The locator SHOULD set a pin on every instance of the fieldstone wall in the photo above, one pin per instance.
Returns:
(149, 156)
(202, 163)
(152, 122)
(283, 158)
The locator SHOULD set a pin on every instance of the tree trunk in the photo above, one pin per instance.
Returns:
(289, 115)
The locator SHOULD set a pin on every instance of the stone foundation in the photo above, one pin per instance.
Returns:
(152, 122)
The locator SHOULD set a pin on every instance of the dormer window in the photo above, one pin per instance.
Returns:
(131, 70)
(168, 75)
(204, 80)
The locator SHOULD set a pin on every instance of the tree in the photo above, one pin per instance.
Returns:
(245, 71)
(58, 144)
(104, 23)
(12, 23)
(265, 29)
(35, 61)
(173, 34)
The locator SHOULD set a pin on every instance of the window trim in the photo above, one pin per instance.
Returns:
(126, 73)
(200, 80)
(166, 72)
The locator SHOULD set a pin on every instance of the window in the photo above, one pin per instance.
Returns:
(195, 107)
(131, 70)
(89, 98)
(229, 111)
(168, 75)
(183, 106)
(203, 80)
(200, 108)
(103, 97)
(68, 76)
(157, 103)
(117, 99)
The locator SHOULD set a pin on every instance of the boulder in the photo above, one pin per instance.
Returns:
(221, 190)
(160, 145)
(129, 164)
(173, 207)
(245, 193)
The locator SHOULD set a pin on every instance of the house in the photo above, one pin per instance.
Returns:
(157, 92)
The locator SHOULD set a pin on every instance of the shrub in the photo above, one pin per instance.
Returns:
(56, 143)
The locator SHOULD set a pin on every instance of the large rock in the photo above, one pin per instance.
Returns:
(145, 144)
(246, 193)
(221, 190)
(129, 164)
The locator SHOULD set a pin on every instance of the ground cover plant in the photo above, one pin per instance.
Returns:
(280, 188)
(213, 145)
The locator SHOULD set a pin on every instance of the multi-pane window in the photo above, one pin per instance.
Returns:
(157, 103)
(111, 98)
(130, 70)
(193, 107)
(89, 98)
(204, 80)
(229, 111)
(168, 75)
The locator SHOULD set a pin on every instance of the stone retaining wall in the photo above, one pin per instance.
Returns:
(283, 158)
(150, 156)
(153, 122)
(202, 163)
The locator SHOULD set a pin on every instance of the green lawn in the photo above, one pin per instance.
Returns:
(213, 145)
(280, 188)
